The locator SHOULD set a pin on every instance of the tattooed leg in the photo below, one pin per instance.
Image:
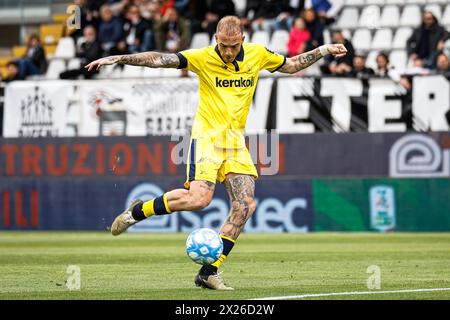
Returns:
(241, 190)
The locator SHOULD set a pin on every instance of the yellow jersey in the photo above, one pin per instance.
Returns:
(226, 90)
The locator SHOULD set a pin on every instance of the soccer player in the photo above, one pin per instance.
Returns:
(228, 73)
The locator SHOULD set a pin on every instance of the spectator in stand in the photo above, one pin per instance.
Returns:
(216, 11)
(246, 19)
(443, 64)
(326, 9)
(172, 32)
(426, 40)
(315, 27)
(182, 6)
(384, 69)
(195, 13)
(343, 65)
(89, 50)
(154, 12)
(138, 32)
(165, 5)
(271, 15)
(110, 31)
(360, 70)
(383, 66)
(13, 72)
(298, 38)
(33, 62)
(142, 6)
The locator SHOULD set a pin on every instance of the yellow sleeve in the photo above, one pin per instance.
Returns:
(271, 61)
(192, 59)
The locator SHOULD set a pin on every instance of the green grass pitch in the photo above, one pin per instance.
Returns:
(33, 265)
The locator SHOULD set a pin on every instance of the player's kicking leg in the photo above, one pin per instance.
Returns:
(241, 190)
(198, 196)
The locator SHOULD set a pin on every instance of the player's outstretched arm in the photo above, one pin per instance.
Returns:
(147, 59)
(304, 60)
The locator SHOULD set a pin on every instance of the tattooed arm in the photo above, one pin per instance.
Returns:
(304, 60)
(148, 59)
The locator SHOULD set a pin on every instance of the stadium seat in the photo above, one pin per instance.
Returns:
(382, 40)
(19, 51)
(348, 18)
(60, 18)
(401, 36)
(278, 42)
(398, 59)
(4, 61)
(446, 16)
(3, 72)
(362, 39)
(240, 6)
(247, 36)
(435, 9)
(49, 50)
(74, 63)
(390, 16)
(65, 48)
(346, 33)
(3, 66)
(261, 37)
(131, 71)
(50, 33)
(371, 59)
(370, 17)
(422, 2)
(200, 40)
(55, 67)
(411, 16)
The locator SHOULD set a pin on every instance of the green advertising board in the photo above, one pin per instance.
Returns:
(381, 204)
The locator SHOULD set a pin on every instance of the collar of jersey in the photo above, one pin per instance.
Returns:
(239, 57)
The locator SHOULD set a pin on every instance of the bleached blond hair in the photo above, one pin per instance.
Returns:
(229, 26)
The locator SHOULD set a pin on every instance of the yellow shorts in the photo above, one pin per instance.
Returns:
(208, 162)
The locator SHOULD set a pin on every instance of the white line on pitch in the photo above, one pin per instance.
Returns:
(312, 295)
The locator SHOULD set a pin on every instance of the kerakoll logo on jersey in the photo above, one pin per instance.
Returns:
(237, 83)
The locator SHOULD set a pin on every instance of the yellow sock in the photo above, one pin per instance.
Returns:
(156, 206)
(219, 262)
(228, 244)
(147, 208)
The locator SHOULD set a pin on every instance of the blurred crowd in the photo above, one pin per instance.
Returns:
(110, 27)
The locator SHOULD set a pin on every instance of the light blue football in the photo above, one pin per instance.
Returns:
(204, 246)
